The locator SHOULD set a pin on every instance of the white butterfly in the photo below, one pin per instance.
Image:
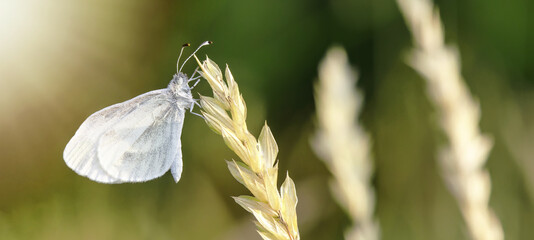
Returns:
(136, 140)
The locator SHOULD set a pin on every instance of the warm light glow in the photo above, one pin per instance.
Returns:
(15, 21)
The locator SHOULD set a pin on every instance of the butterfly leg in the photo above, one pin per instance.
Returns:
(196, 82)
(193, 79)
(194, 113)
(194, 73)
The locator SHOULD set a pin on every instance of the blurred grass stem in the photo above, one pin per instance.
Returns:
(462, 161)
(343, 145)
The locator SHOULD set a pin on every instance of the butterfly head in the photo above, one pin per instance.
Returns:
(180, 89)
(179, 85)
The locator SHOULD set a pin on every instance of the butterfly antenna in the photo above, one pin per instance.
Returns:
(201, 45)
(181, 51)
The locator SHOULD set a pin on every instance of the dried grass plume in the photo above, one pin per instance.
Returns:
(343, 145)
(462, 161)
(275, 211)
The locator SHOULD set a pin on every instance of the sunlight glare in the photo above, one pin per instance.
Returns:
(15, 21)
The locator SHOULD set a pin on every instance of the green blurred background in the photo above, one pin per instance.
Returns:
(62, 60)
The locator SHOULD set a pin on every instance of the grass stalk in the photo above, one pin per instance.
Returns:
(462, 160)
(225, 113)
(343, 145)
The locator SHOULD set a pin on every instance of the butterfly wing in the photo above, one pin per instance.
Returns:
(176, 167)
(144, 143)
(81, 152)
